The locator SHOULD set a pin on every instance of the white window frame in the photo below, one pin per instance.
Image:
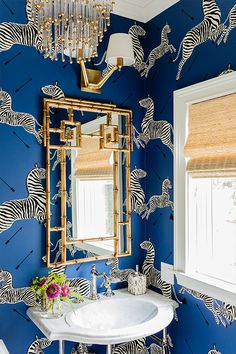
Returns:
(183, 98)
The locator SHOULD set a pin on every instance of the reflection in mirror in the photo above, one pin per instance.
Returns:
(88, 181)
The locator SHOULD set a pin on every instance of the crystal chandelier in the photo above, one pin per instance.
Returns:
(72, 27)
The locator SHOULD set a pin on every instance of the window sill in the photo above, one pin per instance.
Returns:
(228, 296)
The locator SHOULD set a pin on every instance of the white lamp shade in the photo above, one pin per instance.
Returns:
(120, 46)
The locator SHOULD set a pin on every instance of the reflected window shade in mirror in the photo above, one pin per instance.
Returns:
(211, 142)
(88, 181)
(93, 161)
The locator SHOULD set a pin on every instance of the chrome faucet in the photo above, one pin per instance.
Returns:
(94, 295)
(107, 285)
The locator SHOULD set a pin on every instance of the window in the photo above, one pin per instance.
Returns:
(205, 188)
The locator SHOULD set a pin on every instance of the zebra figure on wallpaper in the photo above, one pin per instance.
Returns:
(207, 29)
(208, 301)
(38, 345)
(163, 348)
(137, 194)
(18, 119)
(54, 91)
(58, 195)
(154, 129)
(214, 351)
(10, 295)
(57, 161)
(154, 275)
(159, 51)
(135, 32)
(116, 274)
(24, 34)
(159, 201)
(72, 248)
(32, 207)
(228, 312)
(134, 347)
(225, 31)
(80, 348)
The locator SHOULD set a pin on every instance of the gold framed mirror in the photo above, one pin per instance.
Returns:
(88, 146)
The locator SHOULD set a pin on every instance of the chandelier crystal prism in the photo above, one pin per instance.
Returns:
(72, 27)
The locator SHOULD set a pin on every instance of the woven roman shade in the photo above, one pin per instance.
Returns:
(91, 161)
(211, 141)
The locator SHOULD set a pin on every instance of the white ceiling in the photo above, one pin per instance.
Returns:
(141, 10)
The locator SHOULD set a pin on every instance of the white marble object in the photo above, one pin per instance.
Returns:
(107, 321)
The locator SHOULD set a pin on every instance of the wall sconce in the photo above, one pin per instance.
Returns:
(119, 53)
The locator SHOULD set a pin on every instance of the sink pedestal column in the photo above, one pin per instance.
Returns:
(61, 347)
(109, 349)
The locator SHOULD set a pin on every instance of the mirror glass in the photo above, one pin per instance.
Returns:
(88, 181)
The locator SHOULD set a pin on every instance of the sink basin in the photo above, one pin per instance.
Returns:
(122, 318)
(107, 321)
(113, 314)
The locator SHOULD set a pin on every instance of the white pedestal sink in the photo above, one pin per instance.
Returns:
(107, 321)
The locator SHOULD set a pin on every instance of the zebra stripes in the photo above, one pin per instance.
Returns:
(228, 312)
(159, 201)
(18, 119)
(159, 51)
(81, 348)
(154, 275)
(24, 34)
(54, 91)
(38, 345)
(10, 295)
(225, 30)
(33, 206)
(135, 32)
(152, 129)
(118, 275)
(208, 301)
(134, 347)
(137, 194)
(207, 29)
(214, 351)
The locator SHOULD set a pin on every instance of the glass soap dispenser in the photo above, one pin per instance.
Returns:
(137, 283)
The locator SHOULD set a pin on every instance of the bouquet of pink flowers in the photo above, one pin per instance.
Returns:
(50, 290)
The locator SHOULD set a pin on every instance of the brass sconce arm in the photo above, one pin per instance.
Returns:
(92, 80)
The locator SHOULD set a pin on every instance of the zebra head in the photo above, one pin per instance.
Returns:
(138, 173)
(166, 28)
(214, 351)
(167, 183)
(53, 90)
(3, 95)
(146, 102)
(137, 30)
(40, 171)
(4, 275)
(146, 245)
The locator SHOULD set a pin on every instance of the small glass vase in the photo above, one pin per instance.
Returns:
(51, 308)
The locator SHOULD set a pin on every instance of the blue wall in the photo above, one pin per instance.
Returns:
(196, 331)
(24, 67)
(17, 66)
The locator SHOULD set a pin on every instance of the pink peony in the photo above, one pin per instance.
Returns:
(65, 291)
(53, 291)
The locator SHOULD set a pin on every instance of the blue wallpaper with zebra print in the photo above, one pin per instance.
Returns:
(204, 35)
(23, 72)
(188, 43)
